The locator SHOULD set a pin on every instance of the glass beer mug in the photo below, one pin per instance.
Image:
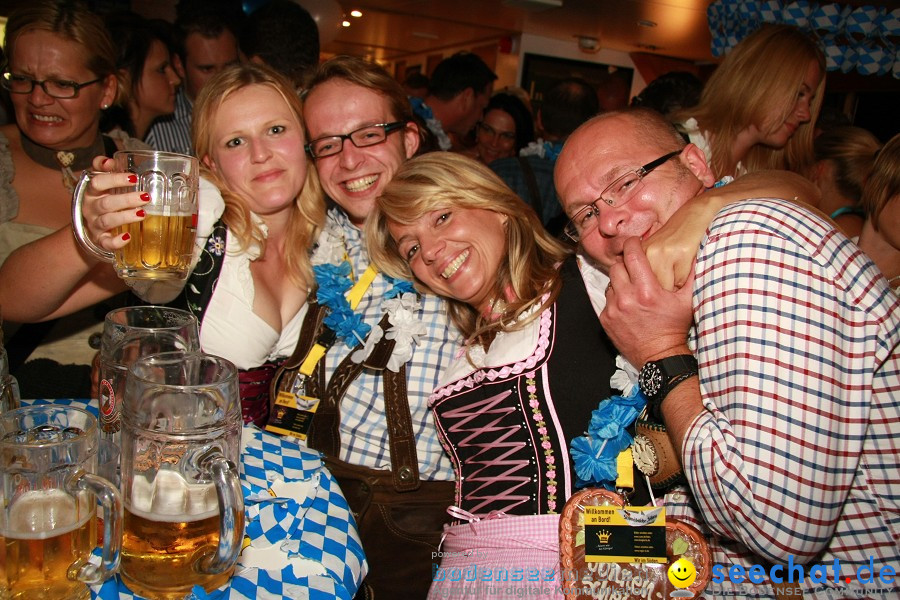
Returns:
(48, 525)
(162, 243)
(184, 508)
(128, 334)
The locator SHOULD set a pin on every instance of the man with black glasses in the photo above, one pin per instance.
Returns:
(384, 348)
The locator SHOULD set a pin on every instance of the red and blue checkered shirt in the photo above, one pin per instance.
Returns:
(798, 338)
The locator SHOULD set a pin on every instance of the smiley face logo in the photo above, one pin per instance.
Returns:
(682, 573)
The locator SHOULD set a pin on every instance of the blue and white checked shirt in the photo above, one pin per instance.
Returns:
(798, 340)
(364, 435)
(173, 133)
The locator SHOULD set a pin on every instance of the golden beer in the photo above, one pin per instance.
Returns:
(45, 533)
(160, 550)
(160, 247)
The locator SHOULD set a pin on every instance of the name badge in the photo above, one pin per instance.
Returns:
(634, 534)
(292, 415)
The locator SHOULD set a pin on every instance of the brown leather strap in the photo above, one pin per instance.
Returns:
(404, 460)
(324, 433)
(286, 374)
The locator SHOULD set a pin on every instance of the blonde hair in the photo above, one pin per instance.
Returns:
(759, 79)
(852, 152)
(884, 181)
(309, 209)
(447, 180)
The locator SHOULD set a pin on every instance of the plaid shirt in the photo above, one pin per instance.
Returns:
(172, 133)
(364, 435)
(798, 339)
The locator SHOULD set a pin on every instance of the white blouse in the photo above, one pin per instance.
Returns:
(230, 328)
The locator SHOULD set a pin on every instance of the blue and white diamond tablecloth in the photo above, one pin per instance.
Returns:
(317, 527)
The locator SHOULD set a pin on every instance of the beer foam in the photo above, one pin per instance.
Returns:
(39, 514)
(170, 498)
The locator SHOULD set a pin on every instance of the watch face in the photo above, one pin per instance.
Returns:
(650, 379)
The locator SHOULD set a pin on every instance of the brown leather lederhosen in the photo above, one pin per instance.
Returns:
(400, 517)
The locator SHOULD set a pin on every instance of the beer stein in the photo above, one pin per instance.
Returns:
(48, 525)
(162, 243)
(9, 387)
(184, 508)
(128, 334)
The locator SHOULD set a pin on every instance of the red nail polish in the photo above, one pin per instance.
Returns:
(126, 237)
(140, 213)
(145, 197)
(132, 179)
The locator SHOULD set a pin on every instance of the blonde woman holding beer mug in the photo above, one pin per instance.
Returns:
(259, 211)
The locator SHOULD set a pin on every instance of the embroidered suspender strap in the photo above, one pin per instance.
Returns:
(324, 434)
(404, 460)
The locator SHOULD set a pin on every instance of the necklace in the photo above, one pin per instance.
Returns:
(68, 162)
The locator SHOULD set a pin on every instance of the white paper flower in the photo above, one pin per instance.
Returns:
(363, 353)
(408, 301)
(330, 247)
(625, 378)
(405, 330)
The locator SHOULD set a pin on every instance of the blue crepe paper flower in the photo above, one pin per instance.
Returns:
(595, 454)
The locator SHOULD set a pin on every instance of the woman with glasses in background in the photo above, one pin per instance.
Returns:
(61, 75)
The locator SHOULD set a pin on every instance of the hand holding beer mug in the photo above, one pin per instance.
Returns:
(160, 245)
(184, 508)
(48, 525)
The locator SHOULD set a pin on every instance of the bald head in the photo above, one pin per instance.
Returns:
(615, 144)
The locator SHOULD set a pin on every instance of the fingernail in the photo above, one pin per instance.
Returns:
(145, 197)
(126, 237)
(132, 179)
(140, 213)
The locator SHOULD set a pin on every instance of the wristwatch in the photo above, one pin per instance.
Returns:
(659, 377)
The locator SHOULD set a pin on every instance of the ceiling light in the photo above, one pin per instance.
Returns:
(345, 23)
(356, 13)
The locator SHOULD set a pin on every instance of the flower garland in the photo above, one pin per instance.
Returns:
(334, 277)
(595, 454)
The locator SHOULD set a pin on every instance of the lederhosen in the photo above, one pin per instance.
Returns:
(400, 516)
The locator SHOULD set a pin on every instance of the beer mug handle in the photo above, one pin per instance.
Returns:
(113, 517)
(231, 511)
(85, 240)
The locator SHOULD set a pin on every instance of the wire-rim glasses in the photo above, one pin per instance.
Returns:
(362, 137)
(55, 88)
(616, 194)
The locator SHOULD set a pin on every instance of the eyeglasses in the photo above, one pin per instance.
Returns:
(362, 137)
(616, 194)
(55, 88)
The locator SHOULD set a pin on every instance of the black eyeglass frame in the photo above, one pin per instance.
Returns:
(571, 229)
(388, 128)
(76, 86)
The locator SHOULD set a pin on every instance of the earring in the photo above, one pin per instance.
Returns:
(105, 106)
